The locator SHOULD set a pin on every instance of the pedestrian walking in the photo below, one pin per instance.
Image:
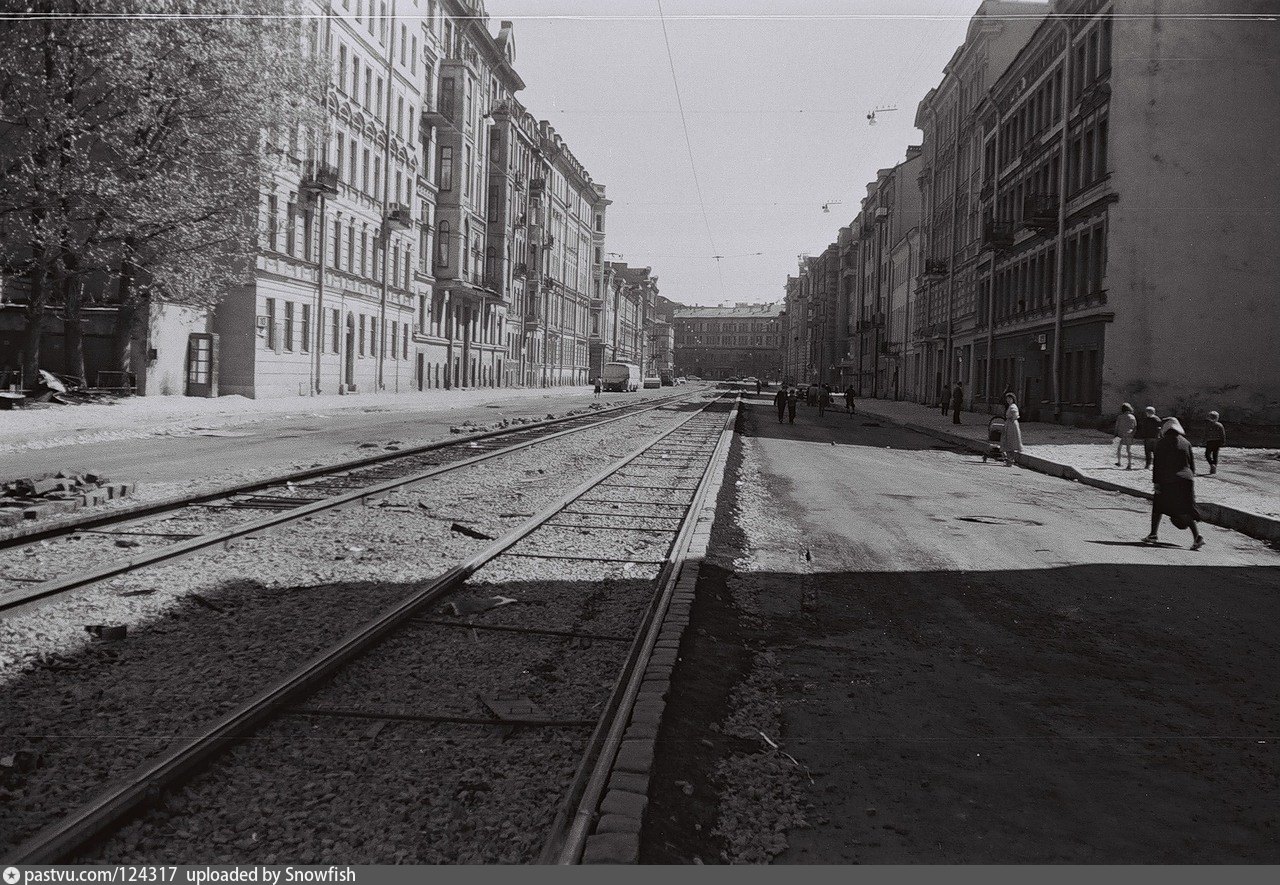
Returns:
(1148, 431)
(957, 402)
(1126, 426)
(599, 387)
(792, 397)
(780, 403)
(848, 399)
(1011, 436)
(824, 399)
(1215, 438)
(1173, 478)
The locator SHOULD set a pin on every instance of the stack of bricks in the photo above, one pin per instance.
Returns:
(28, 499)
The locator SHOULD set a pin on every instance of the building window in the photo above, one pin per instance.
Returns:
(288, 325)
(351, 247)
(442, 244)
(308, 233)
(361, 338)
(405, 342)
(364, 179)
(364, 251)
(335, 329)
(272, 222)
(395, 342)
(446, 168)
(304, 339)
(373, 336)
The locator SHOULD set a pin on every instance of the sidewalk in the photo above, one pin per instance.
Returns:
(1244, 494)
(144, 416)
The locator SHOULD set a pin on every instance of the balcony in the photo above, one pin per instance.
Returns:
(437, 113)
(996, 235)
(399, 216)
(1094, 96)
(1040, 212)
(537, 187)
(935, 267)
(320, 178)
(520, 269)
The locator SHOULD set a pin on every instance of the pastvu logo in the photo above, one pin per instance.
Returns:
(11, 875)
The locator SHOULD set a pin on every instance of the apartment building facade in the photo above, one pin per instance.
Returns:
(717, 343)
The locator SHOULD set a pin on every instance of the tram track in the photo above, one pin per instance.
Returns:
(574, 614)
(204, 520)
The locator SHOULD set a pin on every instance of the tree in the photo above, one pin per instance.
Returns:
(138, 147)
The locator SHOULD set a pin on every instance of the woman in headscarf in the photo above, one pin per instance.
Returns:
(1011, 436)
(1173, 474)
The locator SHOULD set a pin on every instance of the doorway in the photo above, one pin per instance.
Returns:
(349, 359)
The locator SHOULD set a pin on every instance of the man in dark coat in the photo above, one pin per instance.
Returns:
(824, 399)
(957, 402)
(1173, 478)
(780, 403)
(1148, 431)
(849, 399)
(792, 397)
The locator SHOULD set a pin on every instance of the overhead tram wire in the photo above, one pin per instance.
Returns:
(688, 143)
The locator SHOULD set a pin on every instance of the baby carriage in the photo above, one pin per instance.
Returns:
(995, 430)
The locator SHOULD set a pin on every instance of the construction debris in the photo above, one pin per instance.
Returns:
(27, 499)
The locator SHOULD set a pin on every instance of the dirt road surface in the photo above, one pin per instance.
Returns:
(973, 664)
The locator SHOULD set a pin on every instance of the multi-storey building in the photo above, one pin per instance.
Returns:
(1115, 261)
(946, 292)
(717, 343)
(631, 293)
(795, 330)
(332, 296)
(879, 281)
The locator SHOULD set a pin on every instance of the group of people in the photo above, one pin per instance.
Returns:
(1149, 429)
(821, 395)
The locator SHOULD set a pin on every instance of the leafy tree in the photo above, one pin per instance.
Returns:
(139, 135)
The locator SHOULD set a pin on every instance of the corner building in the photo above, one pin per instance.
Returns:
(1129, 211)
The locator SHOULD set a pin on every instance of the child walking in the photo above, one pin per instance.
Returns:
(1126, 424)
(1215, 437)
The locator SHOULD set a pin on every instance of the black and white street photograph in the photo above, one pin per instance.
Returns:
(643, 432)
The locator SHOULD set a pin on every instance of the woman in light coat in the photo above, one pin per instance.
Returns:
(1011, 436)
(1126, 424)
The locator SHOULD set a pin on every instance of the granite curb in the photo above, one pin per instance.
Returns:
(1252, 524)
(615, 837)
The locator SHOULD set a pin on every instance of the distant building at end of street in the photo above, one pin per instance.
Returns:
(717, 343)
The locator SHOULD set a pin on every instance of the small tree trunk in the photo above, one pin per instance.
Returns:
(72, 326)
(127, 313)
(34, 331)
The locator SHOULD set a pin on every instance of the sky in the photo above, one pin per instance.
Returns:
(776, 101)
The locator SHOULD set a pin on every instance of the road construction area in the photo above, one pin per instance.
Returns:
(901, 653)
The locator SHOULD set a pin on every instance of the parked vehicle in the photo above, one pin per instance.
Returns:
(652, 381)
(667, 377)
(621, 377)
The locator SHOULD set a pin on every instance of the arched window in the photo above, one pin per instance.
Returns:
(442, 244)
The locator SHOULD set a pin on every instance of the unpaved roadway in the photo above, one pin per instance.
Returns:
(974, 664)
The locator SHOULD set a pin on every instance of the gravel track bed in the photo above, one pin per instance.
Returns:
(318, 790)
(444, 671)
(596, 543)
(227, 620)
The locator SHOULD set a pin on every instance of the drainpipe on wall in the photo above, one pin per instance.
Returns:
(951, 267)
(1062, 224)
(991, 289)
(386, 199)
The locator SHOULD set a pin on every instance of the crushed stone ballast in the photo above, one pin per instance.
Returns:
(562, 633)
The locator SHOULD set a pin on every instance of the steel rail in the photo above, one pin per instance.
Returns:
(96, 818)
(577, 812)
(57, 586)
(138, 512)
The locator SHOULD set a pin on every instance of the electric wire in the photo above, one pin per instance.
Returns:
(688, 143)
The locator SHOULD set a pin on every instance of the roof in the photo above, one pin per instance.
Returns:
(744, 311)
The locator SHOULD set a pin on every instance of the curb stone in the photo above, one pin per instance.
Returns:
(615, 836)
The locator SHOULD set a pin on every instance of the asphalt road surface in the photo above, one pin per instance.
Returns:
(280, 441)
(981, 664)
